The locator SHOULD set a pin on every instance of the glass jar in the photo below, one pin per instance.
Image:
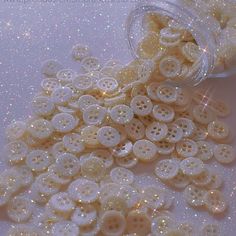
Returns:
(204, 29)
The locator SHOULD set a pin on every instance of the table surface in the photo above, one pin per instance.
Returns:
(33, 31)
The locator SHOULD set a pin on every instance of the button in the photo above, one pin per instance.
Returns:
(186, 125)
(76, 93)
(183, 97)
(72, 142)
(79, 52)
(135, 129)
(216, 181)
(169, 37)
(170, 67)
(90, 64)
(123, 149)
(146, 120)
(19, 209)
(167, 169)
(49, 85)
(50, 68)
(107, 85)
(145, 70)
(91, 229)
(61, 95)
(191, 51)
(108, 190)
(94, 115)
(56, 176)
(15, 130)
(205, 150)
(152, 91)
(203, 179)
(218, 130)
(163, 113)
(130, 194)
(83, 82)
(203, 114)
(86, 101)
(64, 122)
(83, 191)
(58, 149)
(200, 133)
(42, 106)
(108, 136)
(113, 223)
(65, 227)
(180, 181)
(164, 147)
(224, 153)
(139, 89)
(117, 203)
(167, 93)
(156, 131)
(187, 228)
(66, 76)
(104, 155)
(210, 230)
(187, 148)
(121, 114)
(145, 150)
(127, 75)
(89, 136)
(122, 175)
(161, 225)
(141, 105)
(25, 175)
(174, 134)
(192, 166)
(129, 161)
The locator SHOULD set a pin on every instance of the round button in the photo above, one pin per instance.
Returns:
(72, 142)
(83, 82)
(79, 52)
(174, 134)
(122, 175)
(170, 67)
(164, 147)
(163, 113)
(121, 114)
(203, 179)
(186, 125)
(94, 115)
(66, 76)
(187, 148)
(218, 130)
(51, 67)
(42, 106)
(203, 114)
(90, 64)
(107, 85)
(135, 129)
(117, 203)
(210, 230)
(152, 91)
(161, 225)
(156, 131)
(89, 136)
(167, 93)
(123, 149)
(104, 155)
(15, 130)
(129, 161)
(167, 169)
(191, 51)
(224, 153)
(192, 166)
(61, 95)
(141, 105)
(180, 181)
(49, 85)
(86, 101)
(205, 150)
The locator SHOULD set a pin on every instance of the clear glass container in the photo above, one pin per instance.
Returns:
(204, 29)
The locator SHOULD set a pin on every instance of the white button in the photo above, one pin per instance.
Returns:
(200, 133)
(203, 179)
(130, 194)
(122, 175)
(19, 209)
(169, 37)
(72, 142)
(174, 134)
(61, 202)
(76, 93)
(25, 175)
(147, 120)
(121, 114)
(141, 105)
(215, 202)
(170, 67)
(83, 190)
(115, 202)
(145, 150)
(218, 130)
(187, 148)
(85, 101)
(93, 168)
(123, 149)
(94, 115)
(191, 51)
(90, 64)
(163, 113)
(23, 229)
(135, 129)
(192, 166)
(139, 89)
(67, 164)
(108, 136)
(79, 52)
(203, 114)
(180, 181)
(56, 175)
(138, 223)
(167, 169)
(145, 70)
(216, 180)
(38, 160)
(63, 228)
(61, 95)
(49, 85)
(15, 130)
(107, 85)
(127, 75)
(167, 93)
(58, 149)
(205, 150)
(156, 131)
(50, 68)
(164, 147)
(107, 190)
(89, 136)
(84, 214)
(162, 224)
(210, 230)
(16, 151)
(187, 228)
(129, 161)
(104, 155)
(83, 82)
(40, 128)
(66, 76)
(64, 122)
(194, 196)
(113, 223)
(183, 97)
(42, 106)
(224, 153)
(152, 91)
(186, 125)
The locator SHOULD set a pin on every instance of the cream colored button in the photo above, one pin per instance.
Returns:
(215, 202)
(67, 164)
(167, 169)
(83, 190)
(113, 223)
(210, 230)
(49, 85)
(135, 129)
(121, 114)
(203, 114)
(192, 166)
(130, 194)
(51, 67)
(169, 37)
(164, 147)
(42, 105)
(86, 101)
(56, 175)
(170, 67)
(84, 214)
(139, 89)
(105, 156)
(147, 120)
(61, 202)
(61, 95)
(63, 228)
(72, 142)
(218, 130)
(24, 229)
(37, 160)
(194, 196)
(25, 175)
(186, 125)
(161, 225)
(19, 209)
(66, 76)
(141, 105)
(191, 51)
(79, 52)
(16, 151)
(108, 190)
(167, 93)
(200, 133)
(145, 150)
(180, 181)
(187, 148)
(92, 229)
(152, 91)
(122, 175)
(58, 149)
(94, 115)
(205, 150)
(40, 128)
(156, 131)
(216, 181)
(138, 223)
(83, 82)
(90, 64)
(93, 168)
(108, 136)
(224, 153)
(129, 161)
(203, 179)
(123, 149)
(15, 130)
(64, 122)
(183, 97)
(174, 134)
(76, 93)
(89, 136)
(115, 202)
(107, 85)
(163, 113)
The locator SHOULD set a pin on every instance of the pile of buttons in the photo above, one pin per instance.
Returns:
(77, 156)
